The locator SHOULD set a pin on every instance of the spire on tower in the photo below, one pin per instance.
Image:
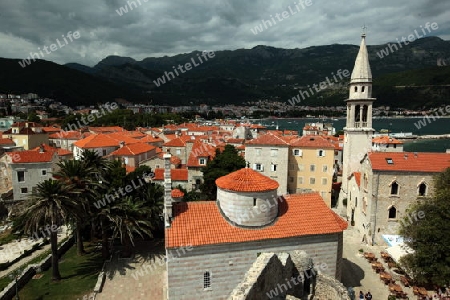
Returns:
(361, 72)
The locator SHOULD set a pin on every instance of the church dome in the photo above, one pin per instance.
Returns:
(247, 198)
(246, 180)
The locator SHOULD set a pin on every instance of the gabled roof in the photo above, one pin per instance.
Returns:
(357, 176)
(175, 174)
(104, 140)
(201, 222)
(409, 162)
(200, 149)
(268, 139)
(311, 141)
(150, 139)
(133, 149)
(106, 129)
(177, 142)
(246, 180)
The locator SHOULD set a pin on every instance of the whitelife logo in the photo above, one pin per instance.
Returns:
(392, 47)
(265, 24)
(188, 66)
(53, 47)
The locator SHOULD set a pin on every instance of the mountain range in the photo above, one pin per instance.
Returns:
(413, 76)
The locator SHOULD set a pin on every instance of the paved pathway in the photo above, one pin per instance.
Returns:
(357, 271)
(139, 278)
(14, 249)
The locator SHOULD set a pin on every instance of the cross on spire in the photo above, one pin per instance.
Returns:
(364, 30)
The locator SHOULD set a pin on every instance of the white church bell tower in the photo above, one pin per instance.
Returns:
(358, 131)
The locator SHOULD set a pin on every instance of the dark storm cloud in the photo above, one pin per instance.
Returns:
(162, 27)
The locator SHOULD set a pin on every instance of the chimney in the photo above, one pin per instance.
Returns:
(406, 156)
(121, 144)
(167, 190)
(41, 148)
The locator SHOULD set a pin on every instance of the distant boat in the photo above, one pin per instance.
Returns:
(335, 119)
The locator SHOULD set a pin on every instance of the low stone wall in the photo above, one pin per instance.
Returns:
(329, 288)
(271, 277)
(10, 291)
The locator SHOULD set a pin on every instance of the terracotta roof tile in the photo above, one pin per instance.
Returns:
(133, 149)
(246, 180)
(31, 156)
(200, 149)
(69, 135)
(175, 174)
(176, 193)
(201, 223)
(268, 139)
(177, 142)
(385, 140)
(311, 141)
(409, 162)
(5, 142)
(59, 151)
(104, 140)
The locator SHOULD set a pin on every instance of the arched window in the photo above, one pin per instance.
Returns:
(362, 89)
(394, 188)
(357, 113)
(366, 181)
(365, 110)
(356, 89)
(206, 280)
(423, 189)
(254, 201)
(392, 212)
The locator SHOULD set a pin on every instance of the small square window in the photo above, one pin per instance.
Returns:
(321, 153)
(202, 161)
(274, 168)
(312, 168)
(20, 176)
(324, 168)
(324, 181)
(312, 180)
(389, 161)
(44, 172)
(297, 152)
(24, 190)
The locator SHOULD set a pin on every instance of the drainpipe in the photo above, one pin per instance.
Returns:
(374, 215)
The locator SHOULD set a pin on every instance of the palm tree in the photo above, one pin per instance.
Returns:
(50, 204)
(77, 174)
(128, 217)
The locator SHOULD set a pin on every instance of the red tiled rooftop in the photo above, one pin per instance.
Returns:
(176, 193)
(133, 149)
(201, 223)
(311, 141)
(246, 180)
(409, 162)
(269, 139)
(177, 142)
(6, 142)
(31, 156)
(104, 140)
(385, 140)
(175, 174)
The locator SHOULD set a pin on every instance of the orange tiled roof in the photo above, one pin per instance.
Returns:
(31, 156)
(175, 174)
(104, 140)
(150, 139)
(311, 141)
(51, 129)
(133, 149)
(246, 180)
(268, 139)
(176, 193)
(385, 140)
(59, 151)
(6, 142)
(106, 129)
(200, 149)
(201, 223)
(69, 135)
(177, 142)
(408, 162)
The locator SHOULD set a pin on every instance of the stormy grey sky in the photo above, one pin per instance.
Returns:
(169, 27)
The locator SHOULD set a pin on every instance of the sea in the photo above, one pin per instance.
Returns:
(394, 125)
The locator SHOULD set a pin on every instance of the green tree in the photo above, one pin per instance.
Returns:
(425, 229)
(50, 204)
(77, 174)
(223, 163)
(129, 217)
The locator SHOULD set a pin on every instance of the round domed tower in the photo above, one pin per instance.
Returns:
(248, 198)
